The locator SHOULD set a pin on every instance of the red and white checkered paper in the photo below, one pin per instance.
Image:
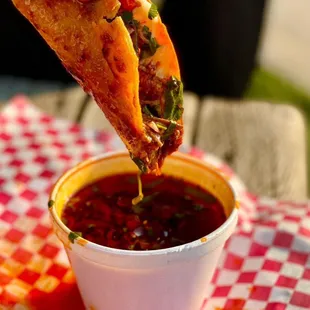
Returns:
(265, 264)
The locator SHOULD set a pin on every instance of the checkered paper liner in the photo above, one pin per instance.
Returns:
(265, 264)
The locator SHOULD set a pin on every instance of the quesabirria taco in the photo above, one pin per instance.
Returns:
(120, 52)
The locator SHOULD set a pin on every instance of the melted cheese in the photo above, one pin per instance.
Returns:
(165, 55)
(140, 197)
(141, 14)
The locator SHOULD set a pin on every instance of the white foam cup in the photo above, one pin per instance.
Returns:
(169, 279)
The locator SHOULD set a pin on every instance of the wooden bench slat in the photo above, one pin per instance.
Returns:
(48, 102)
(94, 118)
(65, 104)
(73, 100)
(191, 106)
(264, 143)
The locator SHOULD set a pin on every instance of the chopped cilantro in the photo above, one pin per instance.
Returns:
(153, 12)
(152, 110)
(153, 45)
(179, 215)
(127, 17)
(152, 42)
(155, 183)
(74, 235)
(147, 111)
(161, 126)
(134, 36)
(51, 203)
(200, 194)
(170, 130)
(198, 207)
(174, 99)
(129, 21)
(149, 198)
(139, 208)
(150, 232)
(141, 165)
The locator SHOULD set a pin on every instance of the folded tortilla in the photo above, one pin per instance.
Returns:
(121, 54)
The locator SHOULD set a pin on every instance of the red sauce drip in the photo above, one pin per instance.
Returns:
(172, 213)
(129, 5)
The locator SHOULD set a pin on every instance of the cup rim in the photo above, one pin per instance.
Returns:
(127, 253)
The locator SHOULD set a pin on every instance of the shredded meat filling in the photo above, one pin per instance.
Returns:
(152, 90)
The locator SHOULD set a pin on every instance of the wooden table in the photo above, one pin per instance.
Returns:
(264, 143)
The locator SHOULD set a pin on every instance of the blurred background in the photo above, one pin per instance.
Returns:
(252, 48)
(236, 49)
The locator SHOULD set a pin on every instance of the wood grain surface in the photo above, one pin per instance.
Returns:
(264, 143)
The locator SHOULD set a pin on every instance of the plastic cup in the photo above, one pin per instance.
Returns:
(168, 279)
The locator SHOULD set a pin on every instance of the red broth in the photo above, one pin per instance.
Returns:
(172, 213)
